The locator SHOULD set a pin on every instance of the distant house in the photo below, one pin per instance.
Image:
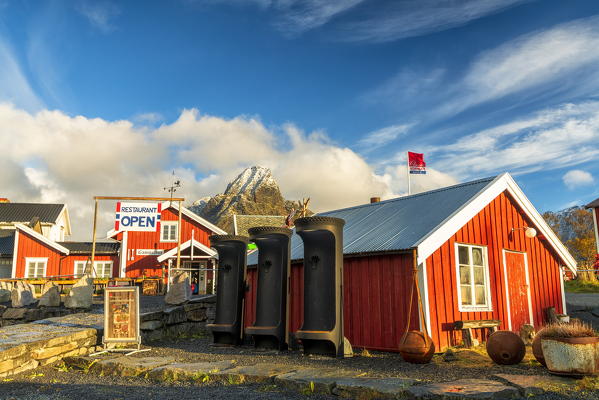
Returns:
(53, 218)
(594, 206)
(151, 254)
(241, 223)
(476, 259)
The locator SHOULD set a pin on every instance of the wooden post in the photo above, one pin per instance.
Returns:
(179, 238)
(94, 237)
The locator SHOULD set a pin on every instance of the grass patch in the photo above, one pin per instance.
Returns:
(581, 286)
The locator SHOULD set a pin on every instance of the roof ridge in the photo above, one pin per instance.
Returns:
(428, 192)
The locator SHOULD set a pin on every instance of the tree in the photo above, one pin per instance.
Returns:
(575, 229)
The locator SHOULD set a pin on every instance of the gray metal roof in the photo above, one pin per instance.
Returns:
(7, 240)
(396, 224)
(24, 212)
(86, 247)
(593, 204)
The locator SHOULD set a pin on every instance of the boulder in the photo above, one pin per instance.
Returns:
(179, 289)
(22, 295)
(50, 295)
(81, 294)
(4, 295)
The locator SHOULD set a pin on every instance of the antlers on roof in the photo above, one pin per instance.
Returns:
(303, 206)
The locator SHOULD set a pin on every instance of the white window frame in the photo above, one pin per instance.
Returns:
(95, 270)
(29, 260)
(473, 308)
(164, 224)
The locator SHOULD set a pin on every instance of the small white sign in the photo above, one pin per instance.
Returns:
(149, 252)
(139, 217)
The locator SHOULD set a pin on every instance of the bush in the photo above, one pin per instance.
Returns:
(574, 329)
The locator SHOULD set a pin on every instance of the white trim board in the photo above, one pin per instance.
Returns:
(465, 309)
(173, 252)
(423, 282)
(14, 254)
(42, 238)
(188, 213)
(596, 229)
(445, 230)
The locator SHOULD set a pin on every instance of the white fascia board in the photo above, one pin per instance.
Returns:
(439, 235)
(14, 254)
(67, 219)
(596, 229)
(446, 229)
(42, 238)
(173, 252)
(194, 216)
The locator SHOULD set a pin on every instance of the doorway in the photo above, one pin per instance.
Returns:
(197, 276)
(517, 289)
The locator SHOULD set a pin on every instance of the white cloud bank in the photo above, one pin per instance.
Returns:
(576, 178)
(49, 156)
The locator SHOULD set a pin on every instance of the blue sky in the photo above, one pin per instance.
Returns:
(108, 96)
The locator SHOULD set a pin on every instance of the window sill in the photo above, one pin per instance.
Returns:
(168, 241)
(475, 309)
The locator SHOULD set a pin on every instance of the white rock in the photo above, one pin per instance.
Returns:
(179, 290)
(81, 294)
(22, 295)
(4, 295)
(50, 295)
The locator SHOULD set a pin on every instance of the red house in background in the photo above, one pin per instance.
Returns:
(476, 258)
(152, 254)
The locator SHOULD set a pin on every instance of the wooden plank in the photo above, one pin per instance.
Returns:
(486, 323)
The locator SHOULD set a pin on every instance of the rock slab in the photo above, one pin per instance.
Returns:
(22, 295)
(50, 295)
(179, 291)
(372, 388)
(188, 371)
(81, 294)
(464, 389)
(312, 379)
(532, 385)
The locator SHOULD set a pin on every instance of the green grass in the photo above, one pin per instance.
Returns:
(578, 286)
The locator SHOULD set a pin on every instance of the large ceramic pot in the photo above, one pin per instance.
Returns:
(537, 350)
(416, 347)
(571, 356)
(506, 348)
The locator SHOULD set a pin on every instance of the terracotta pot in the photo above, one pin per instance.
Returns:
(571, 356)
(416, 347)
(537, 350)
(506, 348)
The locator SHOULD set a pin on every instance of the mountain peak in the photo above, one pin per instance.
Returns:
(250, 180)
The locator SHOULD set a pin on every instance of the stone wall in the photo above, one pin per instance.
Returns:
(189, 319)
(22, 315)
(27, 346)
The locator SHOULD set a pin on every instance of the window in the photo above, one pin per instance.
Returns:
(36, 267)
(168, 231)
(473, 278)
(103, 269)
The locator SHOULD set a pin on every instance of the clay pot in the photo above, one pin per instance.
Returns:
(506, 348)
(571, 356)
(537, 350)
(416, 347)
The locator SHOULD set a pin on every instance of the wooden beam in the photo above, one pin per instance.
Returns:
(138, 198)
(484, 323)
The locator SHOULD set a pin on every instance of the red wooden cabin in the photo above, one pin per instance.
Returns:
(474, 261)
(153, 254)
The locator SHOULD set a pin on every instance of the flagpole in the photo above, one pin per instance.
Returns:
(408, 172)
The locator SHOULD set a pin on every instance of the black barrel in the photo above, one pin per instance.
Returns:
(322, 329)
(272, 304)
(228, 322)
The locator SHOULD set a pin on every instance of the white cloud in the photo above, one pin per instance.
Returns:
(14, 85)
(298, 16)
(99, 14)
(149, 118)
(382, 137)
(405, 18)
(553, 138)
(576, 178)
(52, 157)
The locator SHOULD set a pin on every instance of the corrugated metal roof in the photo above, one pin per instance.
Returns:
(86, 247)
(24, 212)
(396, 224)
(7, 240)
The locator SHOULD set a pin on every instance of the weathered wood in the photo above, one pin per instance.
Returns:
(483, 323)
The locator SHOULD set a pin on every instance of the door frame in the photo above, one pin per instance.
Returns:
(507, 292)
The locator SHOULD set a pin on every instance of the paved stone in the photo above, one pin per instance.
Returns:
(312, 380)
(188, 371)
(257, 373)
(81, 294)
(129, 366)
(150, 316)
(464, 389)
(14, 313)
(530, 385)
(595, 311)
(371, 388)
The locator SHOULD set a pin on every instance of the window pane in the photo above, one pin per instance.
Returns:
(480, 295)
(479, 275)
(164, 232)
(466, 295)
(477, 256)
(463, 255)
(464, 274)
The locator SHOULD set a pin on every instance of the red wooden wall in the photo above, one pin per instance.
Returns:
(376, 295)
(149, 265)
(491, 228)
(58, 263)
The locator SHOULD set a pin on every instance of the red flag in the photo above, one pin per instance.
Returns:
(416, 163)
